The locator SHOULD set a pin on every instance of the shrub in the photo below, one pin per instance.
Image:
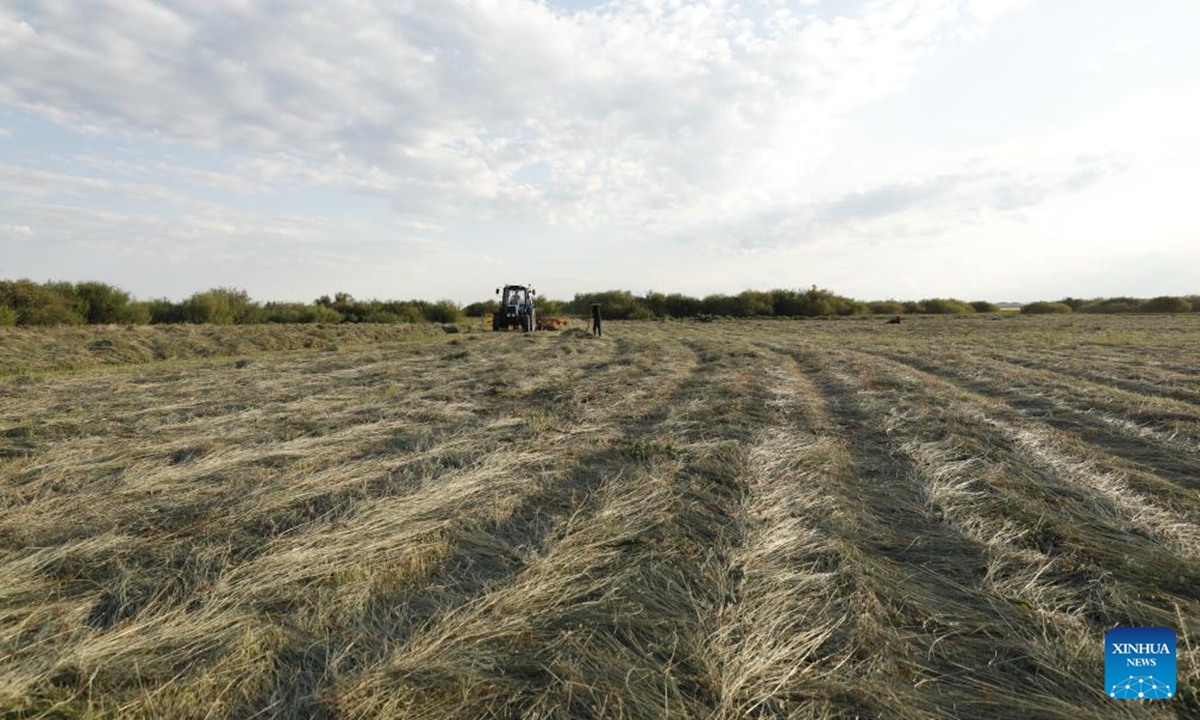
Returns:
(164, 311)
(854, 307)
(614, 304)
(281, 312)
(983, 306)
(8, 316)
(815, 302)
(547, 307)
(324, 315)
(442, 311)
(375, 311)
(752, 303)
(1113, 305)
(102, 304)
(1167, 304)
(35, 304)
(1045, 308)
(221, 306)
(640, 312)
(137, 313)
(208, 308)
(409, 312)
(886, 307)
(484, 308)
(656, 303)
(718, 304)
(945, 306)
(56, 311)
(680, 305)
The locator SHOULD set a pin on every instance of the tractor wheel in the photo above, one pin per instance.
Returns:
(495, 323)
(533, 321)
(525, 323)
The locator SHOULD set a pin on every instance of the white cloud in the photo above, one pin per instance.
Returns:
(167, 173)
(16, 232)
(25, 181)
(641, 111)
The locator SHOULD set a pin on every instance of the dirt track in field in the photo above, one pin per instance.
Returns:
(764, 519)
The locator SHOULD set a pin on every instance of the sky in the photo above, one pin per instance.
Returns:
(1007, 150)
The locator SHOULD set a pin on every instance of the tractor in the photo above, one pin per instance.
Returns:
(516, 308)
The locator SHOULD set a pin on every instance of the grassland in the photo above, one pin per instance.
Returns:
(806, 519)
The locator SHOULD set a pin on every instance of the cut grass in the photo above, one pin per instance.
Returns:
(760, 519)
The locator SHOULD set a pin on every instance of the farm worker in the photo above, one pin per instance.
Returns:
(596, 319)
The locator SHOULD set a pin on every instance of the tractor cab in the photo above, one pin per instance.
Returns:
(516, 308)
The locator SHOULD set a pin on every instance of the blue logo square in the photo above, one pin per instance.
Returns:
(1139, 663)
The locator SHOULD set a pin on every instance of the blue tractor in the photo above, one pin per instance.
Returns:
(516, 308)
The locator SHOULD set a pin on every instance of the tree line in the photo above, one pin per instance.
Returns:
(24, 302)
(813, 302)
(29, 303)
(1116, 305)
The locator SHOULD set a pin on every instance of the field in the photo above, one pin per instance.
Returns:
(808, 519)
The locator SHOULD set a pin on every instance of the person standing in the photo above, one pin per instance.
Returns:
(596, 319)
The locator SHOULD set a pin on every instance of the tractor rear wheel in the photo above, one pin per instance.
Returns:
(496, 323)
(525, 323)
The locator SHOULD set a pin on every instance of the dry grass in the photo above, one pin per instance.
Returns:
(31, 352)
(831, 519)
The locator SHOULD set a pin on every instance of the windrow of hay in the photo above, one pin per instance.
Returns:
(794, 581)
(1156, 431)
(1145, 378)
(36, 350)
(1052, 452)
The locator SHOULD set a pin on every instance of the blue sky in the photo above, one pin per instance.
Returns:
(998, 149)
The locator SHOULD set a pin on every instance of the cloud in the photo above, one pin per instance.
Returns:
(640, 113)
(16, 232)
(887, 200)
(275, 256)
(975, 191)
(163, 173)
(33, 184)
